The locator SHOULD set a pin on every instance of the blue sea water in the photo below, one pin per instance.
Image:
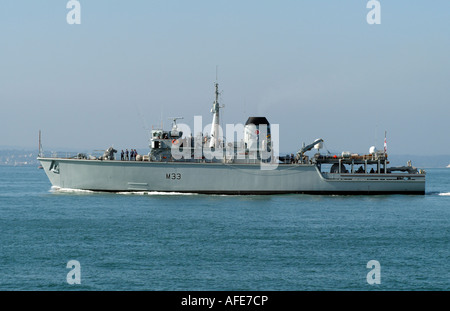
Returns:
(192, 242)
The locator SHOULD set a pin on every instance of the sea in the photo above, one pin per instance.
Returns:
(66, 240)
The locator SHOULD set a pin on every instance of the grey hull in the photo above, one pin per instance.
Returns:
(220, 178)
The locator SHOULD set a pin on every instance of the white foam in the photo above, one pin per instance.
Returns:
(169, 193)
(69, 190)
(157, 193)
(133, 192)
(445, 193)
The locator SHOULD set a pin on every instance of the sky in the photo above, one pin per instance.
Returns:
(316, 68)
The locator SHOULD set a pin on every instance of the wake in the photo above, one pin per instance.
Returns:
(69, 190)
(56, 189)
(153, 193)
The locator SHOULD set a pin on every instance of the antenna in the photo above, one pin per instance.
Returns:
(217, 73)
(174, 120)
(40, 145)
(144, 123)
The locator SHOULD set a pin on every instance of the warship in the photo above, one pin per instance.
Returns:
(181, 162)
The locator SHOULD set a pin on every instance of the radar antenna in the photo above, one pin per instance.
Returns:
(174, 120)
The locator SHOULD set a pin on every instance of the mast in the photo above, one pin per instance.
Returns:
(214, 143)
(40, 145)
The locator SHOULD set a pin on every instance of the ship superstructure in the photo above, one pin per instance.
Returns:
(210, 164)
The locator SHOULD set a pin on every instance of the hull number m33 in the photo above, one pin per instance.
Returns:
(174, 176)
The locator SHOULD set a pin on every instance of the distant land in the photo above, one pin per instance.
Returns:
(25, 157)
(14, 157)
(429, 161)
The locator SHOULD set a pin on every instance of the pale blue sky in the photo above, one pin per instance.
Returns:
(316, 68)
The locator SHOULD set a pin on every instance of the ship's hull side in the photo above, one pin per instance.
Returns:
(217, 178)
